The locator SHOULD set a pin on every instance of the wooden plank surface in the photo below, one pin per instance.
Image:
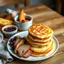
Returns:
(43, 14)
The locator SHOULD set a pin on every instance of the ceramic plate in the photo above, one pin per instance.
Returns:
(31, 58)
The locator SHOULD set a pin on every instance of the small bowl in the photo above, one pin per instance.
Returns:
(23, 25)
(7, 30)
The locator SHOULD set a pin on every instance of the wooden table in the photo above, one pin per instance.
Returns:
(43, 14)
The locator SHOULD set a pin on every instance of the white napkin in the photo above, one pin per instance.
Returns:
(12, 12)
(2, 61)
(4, 54)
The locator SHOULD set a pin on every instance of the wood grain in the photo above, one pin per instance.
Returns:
(43, 14)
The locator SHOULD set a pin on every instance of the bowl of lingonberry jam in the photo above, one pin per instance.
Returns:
(9, 30)
(24, 24)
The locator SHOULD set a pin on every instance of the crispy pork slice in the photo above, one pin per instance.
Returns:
(17, 40)
(27, 54)
(18, 45)
(23, 49)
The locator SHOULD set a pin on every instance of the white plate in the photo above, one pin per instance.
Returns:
(31, 58)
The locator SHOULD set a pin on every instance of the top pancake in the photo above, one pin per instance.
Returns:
(40, 30)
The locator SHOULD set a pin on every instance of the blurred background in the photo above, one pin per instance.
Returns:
(49, 3)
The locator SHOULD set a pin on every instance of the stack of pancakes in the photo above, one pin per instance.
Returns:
(40, 39)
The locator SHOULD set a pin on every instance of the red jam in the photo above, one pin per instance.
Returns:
(9, 29)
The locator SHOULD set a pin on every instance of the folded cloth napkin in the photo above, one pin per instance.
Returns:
(4, 54)
(10, 11)
(2, 61)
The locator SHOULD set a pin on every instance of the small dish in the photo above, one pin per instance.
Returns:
(9, 30)
(23, 25)
(32, 58)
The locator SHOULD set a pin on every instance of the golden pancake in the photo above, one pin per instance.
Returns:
(4, 22)
(36, 39)
(40, 30)
(42, 49)
(38, 44)
(42, 54)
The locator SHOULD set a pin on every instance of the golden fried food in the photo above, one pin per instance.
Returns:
(21, 16)
(38, 44)
(42, 54)
(36, 39)
(40, 39)
(9, 17)
(40, 30)
(4, 22)
(42, 49)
